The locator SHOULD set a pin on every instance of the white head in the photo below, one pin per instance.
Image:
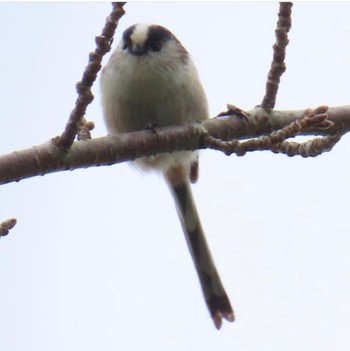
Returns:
(150, 40)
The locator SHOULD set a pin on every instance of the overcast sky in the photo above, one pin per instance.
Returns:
(98, 260)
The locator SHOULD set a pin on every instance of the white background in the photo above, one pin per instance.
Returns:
(98, 260)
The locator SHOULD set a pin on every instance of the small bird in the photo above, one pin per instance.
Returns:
(150, 80)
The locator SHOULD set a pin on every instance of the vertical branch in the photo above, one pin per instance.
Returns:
(103, 45)
(278, 66)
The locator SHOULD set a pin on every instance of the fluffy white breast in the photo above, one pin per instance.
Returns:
(157, 88)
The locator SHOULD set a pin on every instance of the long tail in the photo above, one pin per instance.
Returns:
(213, 290)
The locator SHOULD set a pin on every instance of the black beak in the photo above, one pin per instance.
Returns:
(137, 50)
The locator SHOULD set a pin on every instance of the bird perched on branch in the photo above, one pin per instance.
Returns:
(151, 80)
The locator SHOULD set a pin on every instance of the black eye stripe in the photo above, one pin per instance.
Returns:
(127, 33)
(127, 36)
(153, 45)
(158, 34)
(156, 37)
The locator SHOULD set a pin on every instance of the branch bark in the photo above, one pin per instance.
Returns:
(278, 66)
(51, 157)
(6, 226)
(103, 45)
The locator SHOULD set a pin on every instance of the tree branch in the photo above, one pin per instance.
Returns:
(50, 157)
(276, 140)
(278, 66)
(85, 96)
(6, 226)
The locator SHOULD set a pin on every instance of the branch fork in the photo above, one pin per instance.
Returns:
(276, 141)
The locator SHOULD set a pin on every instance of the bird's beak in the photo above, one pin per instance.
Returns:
(137, 50)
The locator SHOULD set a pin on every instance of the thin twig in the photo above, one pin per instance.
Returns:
(85, 96)
(310, 148)
(6, 226)
(278, 66)
(276, 140)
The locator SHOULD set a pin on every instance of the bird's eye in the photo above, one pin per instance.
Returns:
(125, 45)
(155, 45)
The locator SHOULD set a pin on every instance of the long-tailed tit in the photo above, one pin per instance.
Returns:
(151, 80)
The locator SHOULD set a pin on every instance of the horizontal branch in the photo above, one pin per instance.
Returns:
(50, 157)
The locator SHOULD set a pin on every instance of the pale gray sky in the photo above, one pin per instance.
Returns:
(98, 260)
